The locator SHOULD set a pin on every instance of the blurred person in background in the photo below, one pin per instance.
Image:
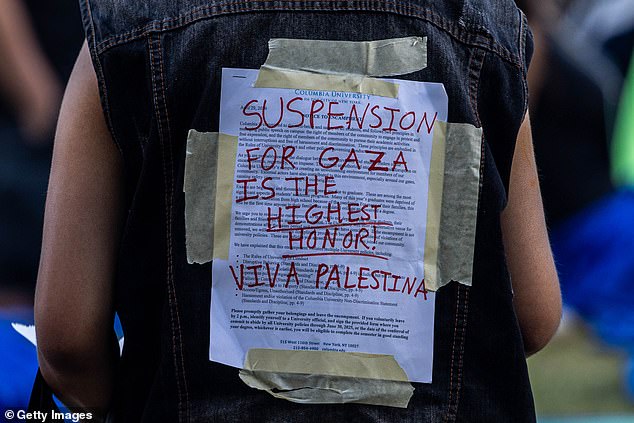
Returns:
(623, 175)
(605, 30)
(574, 93)
(39, 41)
(567, 116)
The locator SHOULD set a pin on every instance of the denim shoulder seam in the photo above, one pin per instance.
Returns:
(476, 36)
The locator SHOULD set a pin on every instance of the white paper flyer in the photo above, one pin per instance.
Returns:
(327, 223)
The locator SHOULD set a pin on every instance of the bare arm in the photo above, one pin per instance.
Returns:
(27, 79)
(73, 304)
(537, 297)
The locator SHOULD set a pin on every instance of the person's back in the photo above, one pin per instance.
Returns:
(159, 68)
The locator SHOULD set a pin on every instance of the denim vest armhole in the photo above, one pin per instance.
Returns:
(526, 49)
(503, 100)
(92, 39)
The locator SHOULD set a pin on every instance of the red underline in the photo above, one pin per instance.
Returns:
(334, 225)
(333, 254)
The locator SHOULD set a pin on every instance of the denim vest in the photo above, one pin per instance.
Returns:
(159, 65)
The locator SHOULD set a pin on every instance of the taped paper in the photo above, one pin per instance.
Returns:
(450, 241)
(295, 279)
(391, 57)
(270, 77)
(200, 191)
(317, 389)
(325, 376)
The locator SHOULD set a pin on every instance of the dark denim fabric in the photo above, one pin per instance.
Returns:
(158, 65)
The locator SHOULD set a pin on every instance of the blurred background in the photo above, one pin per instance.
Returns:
(582, 110)
(39, 41)
(581, 85)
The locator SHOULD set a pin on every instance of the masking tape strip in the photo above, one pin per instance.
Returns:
(227, 152)
(391, 57)
(199, 187)
(209, 169)
(450, 238)
(271, 77)
(317, 389)
(334, 363)
(328, 377)
(434, 206)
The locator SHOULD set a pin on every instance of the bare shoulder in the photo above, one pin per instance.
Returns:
(82, 224)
